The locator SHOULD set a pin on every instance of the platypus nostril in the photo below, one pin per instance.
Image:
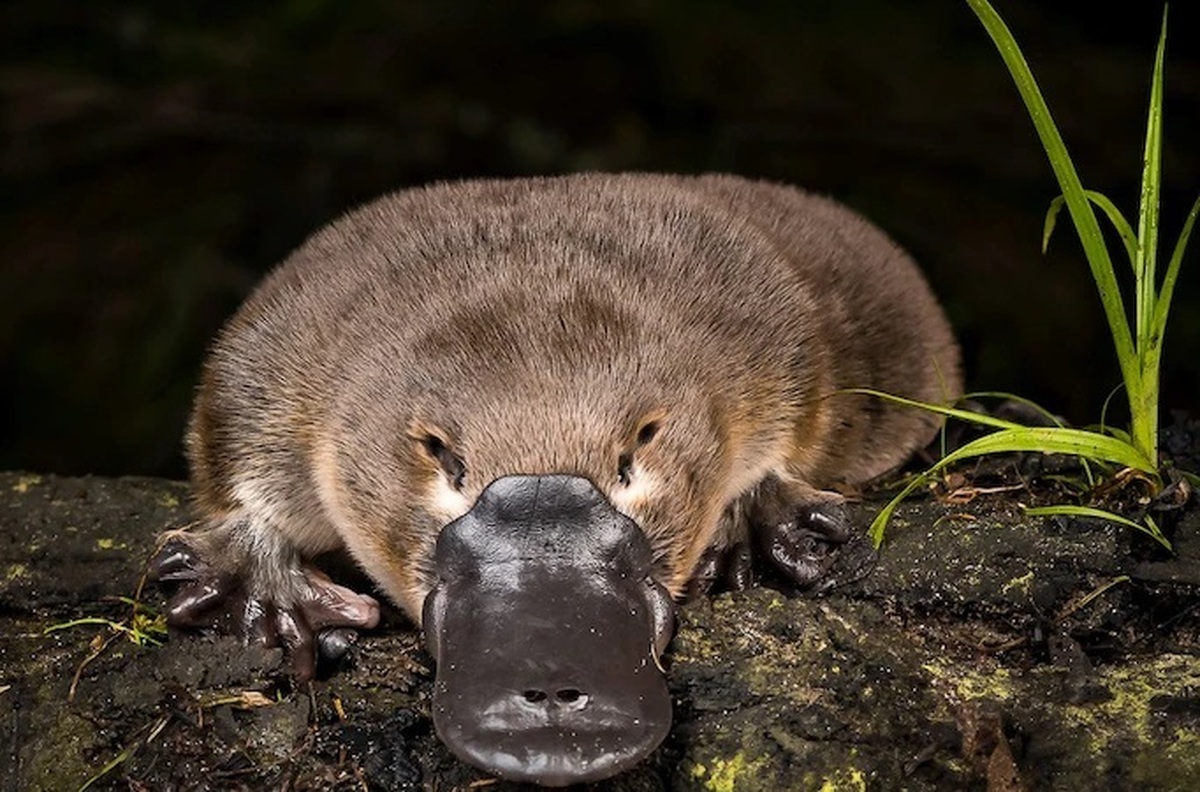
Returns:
(571, 696)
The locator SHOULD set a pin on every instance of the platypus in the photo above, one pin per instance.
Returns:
(533, 411)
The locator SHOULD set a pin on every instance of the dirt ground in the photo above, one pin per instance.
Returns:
(987, 650)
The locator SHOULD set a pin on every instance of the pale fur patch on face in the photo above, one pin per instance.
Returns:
(643, 486)
(445, 502)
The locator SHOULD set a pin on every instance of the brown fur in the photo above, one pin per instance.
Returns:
(536, 326)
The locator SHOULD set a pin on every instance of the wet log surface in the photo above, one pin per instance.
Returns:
(987, 650)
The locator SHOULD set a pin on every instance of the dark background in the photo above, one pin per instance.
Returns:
(158, 157)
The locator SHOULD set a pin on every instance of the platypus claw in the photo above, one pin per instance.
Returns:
(722, 569)
(320, 622)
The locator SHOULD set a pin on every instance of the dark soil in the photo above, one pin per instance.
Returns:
(987, 650)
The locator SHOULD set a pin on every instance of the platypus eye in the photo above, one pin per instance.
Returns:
(452, 464)
(647, 433)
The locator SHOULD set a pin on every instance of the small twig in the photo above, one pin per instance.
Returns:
(1004, 647)
(157, 730)
(246, 699)
(135, 635)
(954, 516)
(129, 751)
(339, 710)
(87, 661)
(1087, 599)
(118, 759)
(966, 494)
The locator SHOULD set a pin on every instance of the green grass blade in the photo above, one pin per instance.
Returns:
(951, 412)
(1046, 440)
(1152, 352)
(1145, 276)
(972, 417)
(1030, 403)
(1104, 408)
(1081, 211)
(1118, 433)
(1110, 449)
(1124, 230)
(1168, 288)
(87, 620)
(1052, 440)
(1151, 529)
(1051, 220)
(879, 524)
(109, 767)
(1143, 401)
(1051, 417)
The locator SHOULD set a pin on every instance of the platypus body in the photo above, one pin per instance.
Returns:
(533, 411)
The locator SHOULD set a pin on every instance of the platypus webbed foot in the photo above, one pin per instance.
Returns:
(296, 607)
(803, 548)
(799, 531)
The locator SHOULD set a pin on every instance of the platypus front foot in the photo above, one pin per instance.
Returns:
(296, 606)
(799, 532)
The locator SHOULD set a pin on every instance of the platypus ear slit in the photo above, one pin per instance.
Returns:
(452, 464)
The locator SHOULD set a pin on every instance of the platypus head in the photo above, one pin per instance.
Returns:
(562, 470)
(547, 626)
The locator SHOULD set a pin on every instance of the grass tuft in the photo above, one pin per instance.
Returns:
(1138, 346)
